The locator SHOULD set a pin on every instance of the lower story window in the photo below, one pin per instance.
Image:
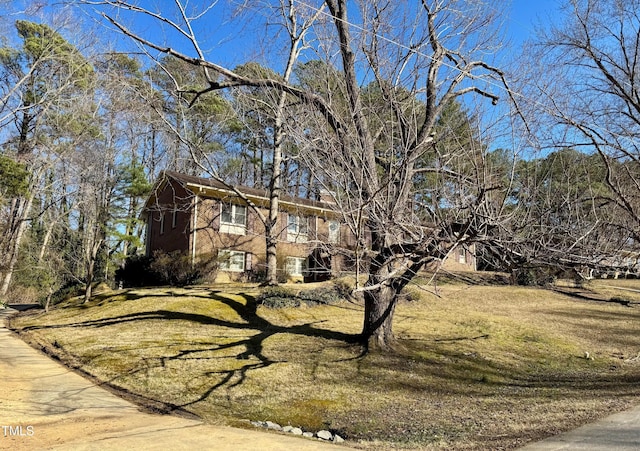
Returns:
(231, 260)
(462, 255)
(296, 266)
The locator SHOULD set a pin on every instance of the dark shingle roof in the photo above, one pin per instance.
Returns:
(250, 192)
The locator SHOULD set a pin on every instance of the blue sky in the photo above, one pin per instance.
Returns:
(520, 19)
(525, 15)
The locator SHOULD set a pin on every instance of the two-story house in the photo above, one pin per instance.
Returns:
(203, 218)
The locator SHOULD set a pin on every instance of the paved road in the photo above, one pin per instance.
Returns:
(44, 405)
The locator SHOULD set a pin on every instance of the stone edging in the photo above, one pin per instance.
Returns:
(323, 435)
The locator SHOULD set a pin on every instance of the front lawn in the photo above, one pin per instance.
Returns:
(479, 367)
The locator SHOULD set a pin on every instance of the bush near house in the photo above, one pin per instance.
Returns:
(166, 268)
(282, 297)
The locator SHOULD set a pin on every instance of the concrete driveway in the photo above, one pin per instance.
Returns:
(44, 405)
(619, 432)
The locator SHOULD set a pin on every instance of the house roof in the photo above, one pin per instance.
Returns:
(208, 187)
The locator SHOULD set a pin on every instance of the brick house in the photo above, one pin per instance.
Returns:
(203, 218)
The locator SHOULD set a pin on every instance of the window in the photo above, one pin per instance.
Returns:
(295, 266)
(334, 232)
(462, 255)
(233, 219)
(174, 219)
(297, 229)
(161, 222)
(231, 260)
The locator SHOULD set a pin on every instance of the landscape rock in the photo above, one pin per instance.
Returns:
(324, 435)
(272, 425)
(321, 435)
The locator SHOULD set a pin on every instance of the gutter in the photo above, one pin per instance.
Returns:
(262, 201)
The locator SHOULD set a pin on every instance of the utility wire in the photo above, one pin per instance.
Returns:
(499, 86)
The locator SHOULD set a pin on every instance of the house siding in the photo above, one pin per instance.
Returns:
(161, 233)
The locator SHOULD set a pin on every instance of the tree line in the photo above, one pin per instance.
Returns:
(395, 109)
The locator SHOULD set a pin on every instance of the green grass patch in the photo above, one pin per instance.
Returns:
(476, 367)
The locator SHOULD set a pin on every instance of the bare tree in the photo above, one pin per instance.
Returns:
(409, 186)
(297, 22)
(420, 58)
(589, 98)
(39, 82)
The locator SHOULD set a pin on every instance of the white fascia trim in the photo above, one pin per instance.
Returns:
(259, 200)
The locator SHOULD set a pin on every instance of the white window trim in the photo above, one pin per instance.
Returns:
(233, 227)
(295, 266)
(162, 223)
(462, 255)
(334, 235)
(227, 262)
(294, 233)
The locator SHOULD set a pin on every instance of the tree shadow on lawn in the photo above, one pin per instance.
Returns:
(612, 325)
(254, 328)
(446, 371)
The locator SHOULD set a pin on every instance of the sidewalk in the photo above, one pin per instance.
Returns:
(44, 405)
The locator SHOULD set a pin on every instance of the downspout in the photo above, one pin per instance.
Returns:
(194, 227)
(147, 238)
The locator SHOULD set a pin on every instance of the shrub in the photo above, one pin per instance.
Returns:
(320, 296)
(255, 275)
(136, 272)
(278, 297)
(343, 288)
(166, 268)
(539, 276)
(70, 289)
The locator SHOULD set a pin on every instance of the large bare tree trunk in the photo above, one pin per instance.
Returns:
(379, 306)
(271, 225)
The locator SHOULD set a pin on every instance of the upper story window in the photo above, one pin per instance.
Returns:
(297, 229)
(233, 219)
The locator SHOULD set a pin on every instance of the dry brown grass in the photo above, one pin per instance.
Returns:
(479, 367)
